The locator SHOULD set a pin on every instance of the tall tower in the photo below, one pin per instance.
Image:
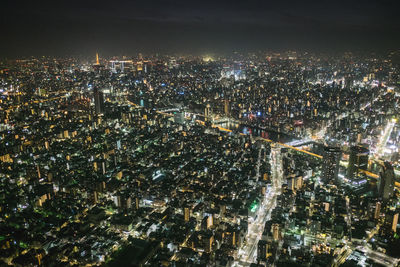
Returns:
(358, 160)
(226, 107)
(331, 161)
(97, 59)
(98, 100)
(391, 220)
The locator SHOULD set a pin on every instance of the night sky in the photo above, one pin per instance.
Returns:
(117, 27)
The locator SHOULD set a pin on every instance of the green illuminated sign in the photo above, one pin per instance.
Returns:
(253, 206)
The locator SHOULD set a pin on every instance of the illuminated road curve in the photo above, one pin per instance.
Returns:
(369, 174)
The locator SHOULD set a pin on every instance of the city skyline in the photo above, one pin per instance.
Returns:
(245, 160)
(200, 133)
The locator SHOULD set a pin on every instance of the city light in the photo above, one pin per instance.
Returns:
(241, 159)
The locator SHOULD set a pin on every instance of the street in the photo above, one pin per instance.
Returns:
(248, 253)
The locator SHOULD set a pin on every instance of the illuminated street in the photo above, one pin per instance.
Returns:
(379, 150)
(248, 253)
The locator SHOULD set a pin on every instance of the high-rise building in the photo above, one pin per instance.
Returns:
(358, 160)
(179, 117)
(98, 100)
(377, 212)
(262, 250)
(226, 107)
(276, 234)
(121, 65)
(331, 160)
(187, 214)
(137, 203)
(207, 112)
(210, 240)
(210, 221)
(291, 183)
(295, 183)
(391, 220)
(386, 181)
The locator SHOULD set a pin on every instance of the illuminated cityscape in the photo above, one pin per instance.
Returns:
(242, 157)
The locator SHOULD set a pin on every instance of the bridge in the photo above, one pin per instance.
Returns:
(368, 173)
(301, 142)
(169, 110)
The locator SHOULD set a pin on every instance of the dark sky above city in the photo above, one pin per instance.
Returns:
(117, 27)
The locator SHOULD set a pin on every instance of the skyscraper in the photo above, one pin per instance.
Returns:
(179, 117)
(386, 182)
(377, 212)
(276, 231)
(98, 100)
(262, 250)
(207, 112)
(391, 220)
(358, 160)
(226, 107)
(187, 214)
(331, 161)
